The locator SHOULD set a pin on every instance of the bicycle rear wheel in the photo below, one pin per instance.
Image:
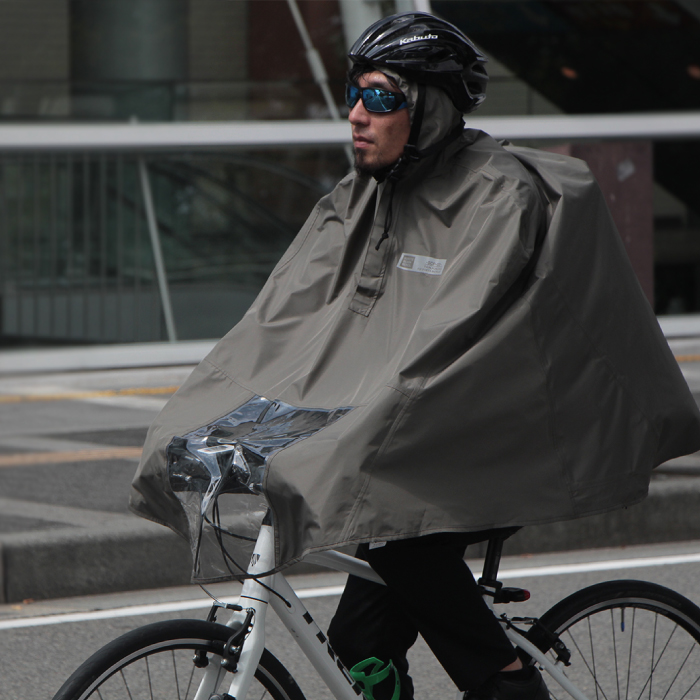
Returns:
(629, 640)
(156, 661)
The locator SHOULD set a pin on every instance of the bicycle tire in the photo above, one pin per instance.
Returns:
(156, 661)
(629, 640)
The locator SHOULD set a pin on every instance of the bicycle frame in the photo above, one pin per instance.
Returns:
(312, 641)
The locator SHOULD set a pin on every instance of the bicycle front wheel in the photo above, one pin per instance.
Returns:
(158, 661)
(629, 640)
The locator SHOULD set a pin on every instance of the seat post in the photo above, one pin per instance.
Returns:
(492, 560)
(489, 583)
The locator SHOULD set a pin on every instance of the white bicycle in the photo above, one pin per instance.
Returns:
(618, 640)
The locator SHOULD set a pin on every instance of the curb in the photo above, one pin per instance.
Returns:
(670, 513)
(102, 357)
(136, 554)
(72, 561)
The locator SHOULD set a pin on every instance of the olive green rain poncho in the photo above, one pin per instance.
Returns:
(494, 362)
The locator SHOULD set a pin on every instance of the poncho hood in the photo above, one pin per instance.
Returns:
(440, 116)
(494, 363)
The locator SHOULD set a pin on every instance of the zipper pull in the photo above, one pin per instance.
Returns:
(385, 235)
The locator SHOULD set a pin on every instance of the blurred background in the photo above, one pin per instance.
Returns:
(82, 229)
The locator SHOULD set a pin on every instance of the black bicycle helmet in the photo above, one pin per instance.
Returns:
(427, 50)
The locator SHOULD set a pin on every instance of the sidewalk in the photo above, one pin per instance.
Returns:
(100, 357)
(72, 423)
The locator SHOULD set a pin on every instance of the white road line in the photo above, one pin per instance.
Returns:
(136, 610)
(606, 565)
(178, 606)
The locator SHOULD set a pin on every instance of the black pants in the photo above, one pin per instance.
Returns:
(431, 591)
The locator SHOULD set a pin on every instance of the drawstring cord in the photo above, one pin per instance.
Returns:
(389, 215)
(411, 155)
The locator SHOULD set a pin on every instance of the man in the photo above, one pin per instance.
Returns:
(383, 622)
(455, 342)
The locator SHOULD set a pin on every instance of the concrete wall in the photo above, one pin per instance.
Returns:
(218, 60)
(33, 40)
(33, 58)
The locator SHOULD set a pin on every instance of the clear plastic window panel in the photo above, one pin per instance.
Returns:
(218, 472)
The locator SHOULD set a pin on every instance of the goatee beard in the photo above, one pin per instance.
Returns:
(377, 171)
(361, 168)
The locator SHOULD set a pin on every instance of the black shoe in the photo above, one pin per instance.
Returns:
(510, 685)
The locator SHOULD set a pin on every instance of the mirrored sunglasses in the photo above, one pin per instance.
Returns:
(374, 99)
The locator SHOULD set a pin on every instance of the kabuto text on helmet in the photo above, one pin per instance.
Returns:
(428, 50)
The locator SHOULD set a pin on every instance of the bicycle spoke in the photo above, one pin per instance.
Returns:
(126, 685)
(685, 695)
(177, 685)
(189, 681)
(658, 661)
(629, 660)
(590, 670)
(590, 641)
(617, 673)
(653, 653)
(148, 673)
(678, 673)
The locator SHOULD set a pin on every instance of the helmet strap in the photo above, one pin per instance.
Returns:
(417, 123)
(410, 154)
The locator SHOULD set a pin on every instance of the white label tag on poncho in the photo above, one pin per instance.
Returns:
(421, 263)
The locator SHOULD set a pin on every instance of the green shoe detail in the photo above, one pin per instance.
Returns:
(375, 675)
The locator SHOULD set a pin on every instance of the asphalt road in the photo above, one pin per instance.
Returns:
(37, 659)
(73, 439)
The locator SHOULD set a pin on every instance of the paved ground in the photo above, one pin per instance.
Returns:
(70, 441)
(69, 446)
(80, 625)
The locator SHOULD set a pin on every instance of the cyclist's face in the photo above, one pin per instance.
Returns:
(378, 139)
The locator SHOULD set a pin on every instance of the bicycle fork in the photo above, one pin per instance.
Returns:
(291, 611)
(254, 600)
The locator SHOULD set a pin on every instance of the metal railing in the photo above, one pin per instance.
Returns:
(75, 256)
(79, 249)
(242, 134)
(132, 247)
